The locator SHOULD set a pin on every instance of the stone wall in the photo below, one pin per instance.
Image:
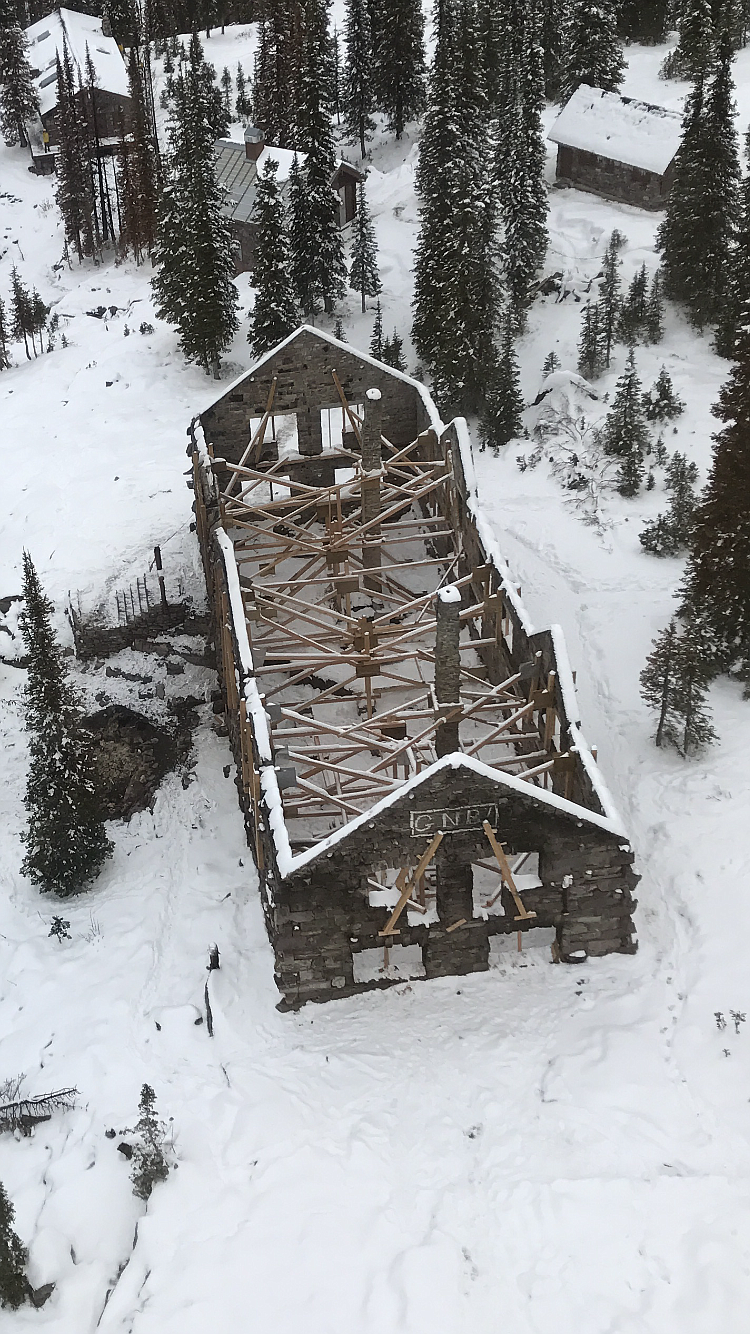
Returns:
(613, 180)
(305, 386)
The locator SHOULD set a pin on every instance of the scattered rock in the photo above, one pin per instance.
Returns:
(126, 1150)
(39, 1296)
(132, 756)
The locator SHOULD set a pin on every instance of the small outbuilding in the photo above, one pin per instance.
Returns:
(617, 147)
(239, 166)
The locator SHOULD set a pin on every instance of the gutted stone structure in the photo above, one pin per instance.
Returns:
(410, 761)
(238, 166)
(617, 147)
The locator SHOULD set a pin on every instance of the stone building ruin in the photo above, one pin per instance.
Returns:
(410, 761)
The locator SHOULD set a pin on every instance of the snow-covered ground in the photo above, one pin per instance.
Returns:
(536, 1148)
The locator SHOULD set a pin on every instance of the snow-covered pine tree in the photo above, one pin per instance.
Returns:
(610, 296)
(644, 21)
(193, 255)
(19, 100)
(655, 311)
(38, 315)
(376, 340)
(124, 21)
(625, 434)
(149, 1164)
(393, 352)
(674, 682)
(456, 286)
(400, 62)
(363, 273)
(661, 403)
(66, 842)
(520, 155)
(203, 77)
(694, 54)
(553, 24)
(303, 272)
(4, 338)
(591, 359)
(669, 533)
(358, 92)
(21, 310)
(494, 39)
(226, 90)
(14, 1285)
(633, 311)
(138, 178)
(698, 233)
(591, 51)
(717, 580)
(551, 364)
(73, 181)
(274, 314)
(242, 107)
(500, 418)
(324, 259)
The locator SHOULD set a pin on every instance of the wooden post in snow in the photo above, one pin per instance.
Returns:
(160, 573)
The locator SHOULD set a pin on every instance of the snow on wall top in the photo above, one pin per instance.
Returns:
(46, 39)
(637, 134)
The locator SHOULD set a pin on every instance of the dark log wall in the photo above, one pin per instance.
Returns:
(304, 386)
(112, 110)
(613, 180)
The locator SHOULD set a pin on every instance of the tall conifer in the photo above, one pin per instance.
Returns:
(592, 53)
(19, 100)
(358, 94)
(363, 274)
(400, 62)
(274, 314)
(324, 260)
(14, 1286)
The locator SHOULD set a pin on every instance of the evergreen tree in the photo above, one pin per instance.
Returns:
(138, 177)
(655, 311)
(274, 314)
(400, 62)
(591, 359)
(634, 310)
(19, 100)
(193, 258)
(66, 843)
(324, 257)
(625, 434)
(610, 298)
(693, 56)
(456, 289)
(717, 581)
(4, 338)
(303, 272)
(376, 341)
(501, 419)
(738, 283)
(697, 235)
(674, 682)
(358, 99)
(592, 53)
(521, 156)
(21, 310)
(363, 274)
(74, 186)
(14, 1286)
(551, 364)
(148, 1164)
(670, 533)
(226, 90)
(644, 21)
(553, 23)
(393, 352)
(242, 106)
(661, 403)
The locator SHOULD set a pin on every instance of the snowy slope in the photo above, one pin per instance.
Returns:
(536, 1148)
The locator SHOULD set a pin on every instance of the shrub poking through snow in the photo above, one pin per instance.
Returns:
(661, 403)
(393, 352)
(149, 1163)
(14, 1286)
(59, 929)
(670, 533)
(674, 682)
(66, 843)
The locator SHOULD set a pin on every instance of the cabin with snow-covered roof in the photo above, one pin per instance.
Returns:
(238, 167)
(78, 34)
(617, 147)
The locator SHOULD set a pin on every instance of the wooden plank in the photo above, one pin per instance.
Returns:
(507, 874)
(408, 883)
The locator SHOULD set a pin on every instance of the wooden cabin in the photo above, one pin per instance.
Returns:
(238, 167)
(617, 147)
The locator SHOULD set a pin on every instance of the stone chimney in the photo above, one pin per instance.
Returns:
(254, 143)
(106, 26)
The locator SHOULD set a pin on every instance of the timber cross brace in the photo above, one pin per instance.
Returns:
(410, 760)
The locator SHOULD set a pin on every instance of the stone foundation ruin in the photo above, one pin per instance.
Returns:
(410, 759)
